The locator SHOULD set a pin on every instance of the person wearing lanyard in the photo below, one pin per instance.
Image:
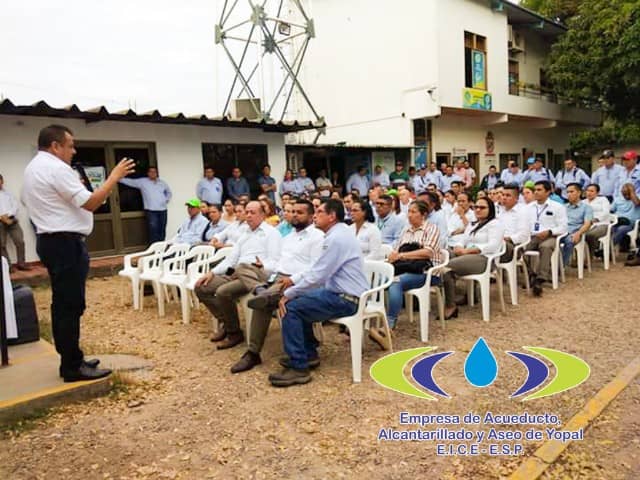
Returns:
(571, 174)
(331, 288)
(155, 197)
(389, 224)
(61, 209)
(547, 219)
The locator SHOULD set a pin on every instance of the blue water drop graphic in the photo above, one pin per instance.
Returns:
(480, 367)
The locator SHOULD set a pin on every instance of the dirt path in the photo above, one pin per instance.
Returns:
(195, 420)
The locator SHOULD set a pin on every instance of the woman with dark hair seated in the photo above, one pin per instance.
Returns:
(416, 251)
(481, 238)
(366, 231)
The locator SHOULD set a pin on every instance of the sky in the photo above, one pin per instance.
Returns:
(142, 54)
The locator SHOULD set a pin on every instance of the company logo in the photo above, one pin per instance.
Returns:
(480, 370)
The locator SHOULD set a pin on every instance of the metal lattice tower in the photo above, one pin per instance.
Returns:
(266, 52)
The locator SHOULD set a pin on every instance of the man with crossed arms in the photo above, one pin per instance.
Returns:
(300, 250)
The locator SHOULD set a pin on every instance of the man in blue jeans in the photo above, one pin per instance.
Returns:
(330, 289)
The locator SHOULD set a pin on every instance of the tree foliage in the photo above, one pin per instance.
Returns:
(559, 10)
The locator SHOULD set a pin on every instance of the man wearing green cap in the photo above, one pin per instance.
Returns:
(193, 227)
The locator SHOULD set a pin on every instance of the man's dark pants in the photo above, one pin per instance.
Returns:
(156, 225)
(67, 261)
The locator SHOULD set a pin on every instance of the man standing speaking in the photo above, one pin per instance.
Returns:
(61, 208)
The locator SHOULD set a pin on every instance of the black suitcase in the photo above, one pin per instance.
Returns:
(26, 316)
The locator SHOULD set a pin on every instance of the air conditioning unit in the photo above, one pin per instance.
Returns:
(244, 108)
(516, 41)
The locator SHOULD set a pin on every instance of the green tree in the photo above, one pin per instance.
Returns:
(559, 10)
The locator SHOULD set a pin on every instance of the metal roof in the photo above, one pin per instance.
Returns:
(100, 114)
(521, 16)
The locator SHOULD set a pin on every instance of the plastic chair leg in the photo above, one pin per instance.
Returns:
(440, 300)
(425, 305)
(501, 290)
(141, 294)
(185, 303)
(135, 290)
(485, 298)
(355, 335)
(159, 291)
(408, 304)
(470, 293)
(580, 255)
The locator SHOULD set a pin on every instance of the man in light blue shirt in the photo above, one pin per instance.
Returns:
(579, 216)
(608, 176)
(512, 175)
(359, 181)
(209, 188)
(155, 197)
(571, 174)
(192, 229)
(389, 224)
(448, 178)
(436, 215)
(537, 173)
(630, 173)
(237, 185)
(329, 289)
(434, 176)
(380, 177)
(304, 185)
(267, 183)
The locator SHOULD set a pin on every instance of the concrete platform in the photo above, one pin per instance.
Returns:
(98, 267)
(31, 382)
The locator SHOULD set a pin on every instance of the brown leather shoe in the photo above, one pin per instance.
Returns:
(247, 362)
(219, 335)
(289, 377)
(231, 341)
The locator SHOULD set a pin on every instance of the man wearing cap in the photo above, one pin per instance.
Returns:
(380, 177)
(155, 197)
(630, 173)
(512, 175)
(359, 181)
(571, 174)
(192, 228)
(399, 176)
(421, 182)
(538, 172)
(209, 188)
(608, 176)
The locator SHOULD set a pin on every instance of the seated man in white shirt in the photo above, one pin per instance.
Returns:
(300, 250)
(458, 221)
(547, 220)
(514, 221)
(601, 208)
(251, 261)
(230, 235)
(192, 228)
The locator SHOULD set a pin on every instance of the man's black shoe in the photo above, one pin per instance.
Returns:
(537, 288)
(264, 301)
(634, 262)
(312, 364)
(231, 341)
(289, 377)
(247, 362)
(85, 373)
(92, 363)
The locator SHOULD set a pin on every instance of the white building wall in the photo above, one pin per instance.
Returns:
(178, 149)
(371, 62)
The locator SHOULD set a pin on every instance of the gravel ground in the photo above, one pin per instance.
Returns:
(193, 419)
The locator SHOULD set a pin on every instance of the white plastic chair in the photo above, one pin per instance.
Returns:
(181, 279)
(484, 279)
(370, 305)
(583, 256)
(423, 294)
(511, 269)
(385, 250)
(606, 241)
(152, 270)
(133, 273)
(633, 237)
(556, 258)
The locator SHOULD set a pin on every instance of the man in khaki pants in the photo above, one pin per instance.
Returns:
(9, 226)
(249, 264)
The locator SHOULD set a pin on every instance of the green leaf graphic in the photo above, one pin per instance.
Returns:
(388, 372)
(571, 371)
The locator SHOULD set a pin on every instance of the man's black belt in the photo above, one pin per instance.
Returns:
(67, 235)
(349, 298)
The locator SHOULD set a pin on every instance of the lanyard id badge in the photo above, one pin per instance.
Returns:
(536, 226)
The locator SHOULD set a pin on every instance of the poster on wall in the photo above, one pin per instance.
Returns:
(386, 159)
(96, 176)
(477, 70)
(476, 99)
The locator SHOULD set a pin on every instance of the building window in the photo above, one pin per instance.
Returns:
(224, 157)
(514, 77)
(475, 61)
(505, 158)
